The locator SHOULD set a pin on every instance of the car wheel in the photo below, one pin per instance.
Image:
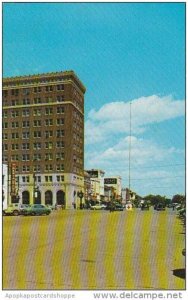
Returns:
(15, 213)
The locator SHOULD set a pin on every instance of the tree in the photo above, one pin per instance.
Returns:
(178, 199)
(155, 199)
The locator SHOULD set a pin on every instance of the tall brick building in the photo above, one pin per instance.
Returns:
(43, 137)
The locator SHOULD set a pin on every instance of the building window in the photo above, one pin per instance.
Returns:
(25, 157)
(5, 158)
(49, 88)
(5, 147)
(60, 110)
(49, 111)
(15, 92)
(37, 123)
(60, 178)
(25, 179)
(25, 113)
(37, 89)
(37, 112)
(15, 124)
(37, 156)
(26, 101)
(60, 98)
(36, 168)
(5, 93)
(60, 167)
(25, 92)
(5, 136)
(48, 168)
(38, 178)
(15, 135)
(25, 168)
(5, 125)
(25, 124)
(48, 99)
(60, 144)
(25, 135)
(60, 87)
(14, 113)
(5, 114)
(37, 100)
(48, 156)
(48, 122)
(48, 134)
(48, 145)
(37, 146)
(59, 133)
(37, 134)
(14, 102)
(15, 147)
(25, 146)
(14, 157)
(60, 121)
(48, 178)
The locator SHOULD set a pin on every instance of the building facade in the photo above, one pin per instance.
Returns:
(97, 184)
(43, 136)
(115, 183)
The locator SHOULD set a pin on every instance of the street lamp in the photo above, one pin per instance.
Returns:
(80, 195)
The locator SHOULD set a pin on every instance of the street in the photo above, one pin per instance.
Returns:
(84, 249)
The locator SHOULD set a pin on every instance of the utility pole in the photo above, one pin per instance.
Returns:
(130, 127)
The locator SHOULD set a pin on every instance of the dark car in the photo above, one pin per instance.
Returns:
(36, 209)
(159, 207)
(118, 207)
(144, 206)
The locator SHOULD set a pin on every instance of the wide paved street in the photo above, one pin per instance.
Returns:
(94, 250)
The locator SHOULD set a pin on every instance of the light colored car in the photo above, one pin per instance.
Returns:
(12, 210)
(98, 207)
(36, 209)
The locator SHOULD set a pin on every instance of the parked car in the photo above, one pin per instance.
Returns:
(118, 207)
(144, 206)
(23, 207)
(98, 207)
(160, 207)
(36, 209)
(12, 210)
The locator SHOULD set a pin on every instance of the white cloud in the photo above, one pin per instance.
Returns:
(147, 158)
(114, 118)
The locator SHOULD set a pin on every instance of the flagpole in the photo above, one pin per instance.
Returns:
(130, 127)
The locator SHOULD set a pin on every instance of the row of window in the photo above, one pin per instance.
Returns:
(26, 179)
(36, 134)
(35, 123)
(38, 89)
(27, 101)
(36, 112)
(36, 146)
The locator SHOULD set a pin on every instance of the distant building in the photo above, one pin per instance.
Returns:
(115, 182)
(125, 195)
(97, 184)
(43, 136)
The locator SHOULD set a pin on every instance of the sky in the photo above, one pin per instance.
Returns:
(123, 53)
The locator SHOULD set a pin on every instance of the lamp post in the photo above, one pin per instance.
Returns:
(80, 195)
(129, 197)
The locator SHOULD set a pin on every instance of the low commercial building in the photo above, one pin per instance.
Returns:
(115, 183)
(97, 184)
